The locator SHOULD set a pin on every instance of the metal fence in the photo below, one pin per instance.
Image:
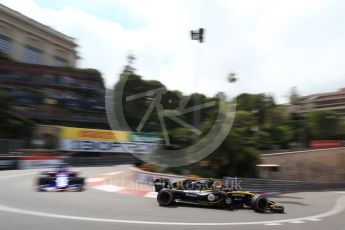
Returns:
(8, 145)
(262, 185)
(101, 161)
(281, 186)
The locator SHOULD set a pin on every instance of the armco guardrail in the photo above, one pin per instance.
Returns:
(25, 162)
(284, 186)
(32, 162)
(100, 161)
(248, 184)
(8, 145)
(265, 185)
(8, 162)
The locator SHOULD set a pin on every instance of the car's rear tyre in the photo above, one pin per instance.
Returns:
(277, 209)
(259, 203)
(165, 197)
(42, 180)
(77, 181)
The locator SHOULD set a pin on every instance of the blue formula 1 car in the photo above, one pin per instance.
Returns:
(60, 179)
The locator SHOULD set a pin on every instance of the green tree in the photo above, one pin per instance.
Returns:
(280, 127)
(294, 96)
(263, 140)
(277, 115)
(135, 110)
(282, 136)
(342, 129)
(257, 104)
(237, 156)
(95, 73)
(323, 125)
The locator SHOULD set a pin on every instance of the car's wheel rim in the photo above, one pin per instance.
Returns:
(261, 204)
(164, 198)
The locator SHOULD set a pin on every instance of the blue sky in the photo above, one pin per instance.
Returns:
(108, 10)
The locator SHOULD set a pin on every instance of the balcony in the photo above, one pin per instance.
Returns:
(61, 82)
(54, 114)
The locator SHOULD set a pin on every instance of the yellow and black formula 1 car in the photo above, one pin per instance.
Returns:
(205, 193)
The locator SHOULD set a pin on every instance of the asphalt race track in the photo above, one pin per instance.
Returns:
(21, 207)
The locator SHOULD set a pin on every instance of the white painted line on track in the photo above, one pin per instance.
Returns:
(315, 219)
(151, 195)
(94, 179)
(112, 173)
(273, 224)
(108, 188)
(297, 222)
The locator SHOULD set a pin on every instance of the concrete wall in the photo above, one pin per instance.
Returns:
(324, 165)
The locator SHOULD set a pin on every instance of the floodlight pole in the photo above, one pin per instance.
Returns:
(199, 36)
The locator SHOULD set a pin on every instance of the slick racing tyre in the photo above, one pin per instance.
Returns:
(165, 197)
(79, 181)
(277, 209)
(42, 180)
(259, 203)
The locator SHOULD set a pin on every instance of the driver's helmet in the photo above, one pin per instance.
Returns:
(209, 183)
(62, 167)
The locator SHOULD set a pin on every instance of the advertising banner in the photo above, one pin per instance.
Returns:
(324, 144)
(93, 134)
(105, 146)
(144, 137)
(96, 140)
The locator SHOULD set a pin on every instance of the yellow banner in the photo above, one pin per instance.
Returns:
(93, 134)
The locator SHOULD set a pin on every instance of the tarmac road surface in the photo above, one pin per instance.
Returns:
(22, 207)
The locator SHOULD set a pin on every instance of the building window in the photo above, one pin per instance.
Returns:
(60, 61)
(5, 44)
(32, 55)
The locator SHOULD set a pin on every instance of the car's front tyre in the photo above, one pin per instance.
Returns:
(277, 209)
(165, 197)
(259, 203)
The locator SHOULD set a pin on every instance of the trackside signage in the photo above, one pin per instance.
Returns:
(93, 134)
(96, 140)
